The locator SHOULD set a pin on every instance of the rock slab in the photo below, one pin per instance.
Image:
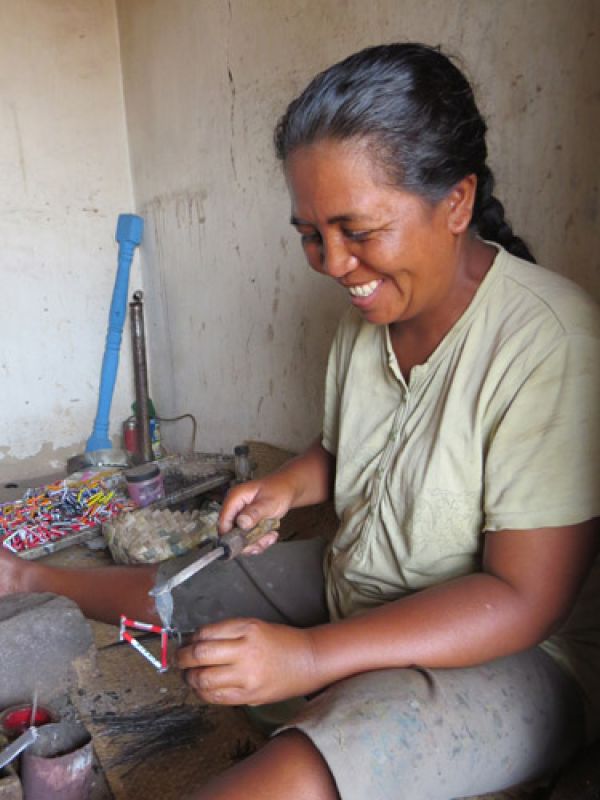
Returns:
(45, 644)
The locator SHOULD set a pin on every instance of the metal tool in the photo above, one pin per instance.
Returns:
(23, 741)
(140, 374)
(228, 546)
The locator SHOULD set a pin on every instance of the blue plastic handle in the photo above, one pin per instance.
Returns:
(129, 234)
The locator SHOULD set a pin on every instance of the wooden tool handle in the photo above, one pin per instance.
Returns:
(235, 541)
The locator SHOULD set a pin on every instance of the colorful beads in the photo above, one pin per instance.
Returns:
(55, 511)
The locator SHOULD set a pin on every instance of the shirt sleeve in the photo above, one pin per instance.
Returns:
(332, 398)
(337, 366)
(542, 467)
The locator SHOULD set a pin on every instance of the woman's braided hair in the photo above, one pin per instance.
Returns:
(417, 113)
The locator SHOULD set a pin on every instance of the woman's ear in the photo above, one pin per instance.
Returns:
(461, 201)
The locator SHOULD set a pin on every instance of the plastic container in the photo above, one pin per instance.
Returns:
(145, 484)
(16, 719)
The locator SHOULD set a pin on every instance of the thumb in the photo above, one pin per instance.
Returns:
(253, 513)
(236, 501)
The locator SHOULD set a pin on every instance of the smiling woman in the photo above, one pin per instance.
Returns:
(448, 638)
(401, 258)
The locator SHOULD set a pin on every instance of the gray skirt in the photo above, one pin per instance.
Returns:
(411, 733)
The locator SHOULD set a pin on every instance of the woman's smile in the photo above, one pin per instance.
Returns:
(390, 249)
(398, 256)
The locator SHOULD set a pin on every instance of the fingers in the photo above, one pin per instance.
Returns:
(253, 513)
(233, 628)
(215, 685)
(237, 498)
(205, 654)
(246, 505)
(261, 545)
(211, 662)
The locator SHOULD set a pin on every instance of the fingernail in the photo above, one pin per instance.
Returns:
(244, 521)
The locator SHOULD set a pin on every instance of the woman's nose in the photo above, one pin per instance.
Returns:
(337, 260)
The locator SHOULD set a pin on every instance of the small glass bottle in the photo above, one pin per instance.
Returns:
(241, 461)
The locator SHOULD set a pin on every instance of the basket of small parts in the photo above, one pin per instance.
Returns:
(62, 513)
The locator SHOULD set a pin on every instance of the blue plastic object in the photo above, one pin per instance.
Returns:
(129, 234)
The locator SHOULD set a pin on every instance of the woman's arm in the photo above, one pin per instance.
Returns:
(528, 585)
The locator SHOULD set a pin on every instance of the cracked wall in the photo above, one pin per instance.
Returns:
(238, 328)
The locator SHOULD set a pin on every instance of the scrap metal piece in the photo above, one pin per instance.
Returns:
(228, 546)
(20, 744)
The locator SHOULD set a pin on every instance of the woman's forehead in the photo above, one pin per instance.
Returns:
(333, 179)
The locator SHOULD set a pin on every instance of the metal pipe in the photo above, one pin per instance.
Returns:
(140, 373)
(58, 766)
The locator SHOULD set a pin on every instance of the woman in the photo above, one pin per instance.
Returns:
(454, 654)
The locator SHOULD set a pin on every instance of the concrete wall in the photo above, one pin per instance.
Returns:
(240, 327)
(65, 177)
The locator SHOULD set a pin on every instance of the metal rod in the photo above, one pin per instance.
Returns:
(140, 373)
(18, 746)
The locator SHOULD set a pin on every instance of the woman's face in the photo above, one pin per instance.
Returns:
(394, 253)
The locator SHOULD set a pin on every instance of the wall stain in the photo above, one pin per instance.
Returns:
(232, 104)
(187, 206)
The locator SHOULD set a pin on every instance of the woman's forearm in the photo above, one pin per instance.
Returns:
(311, 476)
(527, 587)
(458, 624)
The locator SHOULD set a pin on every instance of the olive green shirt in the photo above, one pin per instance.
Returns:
(498, 429)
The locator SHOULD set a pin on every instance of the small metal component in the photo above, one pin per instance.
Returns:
(23, 741)
(20, 744)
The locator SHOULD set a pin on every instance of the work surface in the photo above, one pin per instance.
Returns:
(152, 737)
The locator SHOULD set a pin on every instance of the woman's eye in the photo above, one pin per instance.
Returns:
(357, 236)
(310, 238)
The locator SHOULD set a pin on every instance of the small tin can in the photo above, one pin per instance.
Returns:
(130, 436)
(145, 484)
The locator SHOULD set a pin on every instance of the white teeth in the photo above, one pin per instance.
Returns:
(363, 291)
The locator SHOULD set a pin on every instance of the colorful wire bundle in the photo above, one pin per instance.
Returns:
(59, 509)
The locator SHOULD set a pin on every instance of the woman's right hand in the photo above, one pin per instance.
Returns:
(249, 503)
(303, 481)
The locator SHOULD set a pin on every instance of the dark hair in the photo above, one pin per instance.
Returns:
(417, 112)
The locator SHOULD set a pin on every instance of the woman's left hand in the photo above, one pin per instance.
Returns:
(248, 662)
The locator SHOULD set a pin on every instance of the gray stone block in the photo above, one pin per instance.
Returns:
(45, 643)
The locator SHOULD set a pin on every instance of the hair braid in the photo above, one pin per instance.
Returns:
(489, 219)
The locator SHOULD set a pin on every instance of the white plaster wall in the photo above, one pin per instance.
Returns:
(240, 327)
(65, 177)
